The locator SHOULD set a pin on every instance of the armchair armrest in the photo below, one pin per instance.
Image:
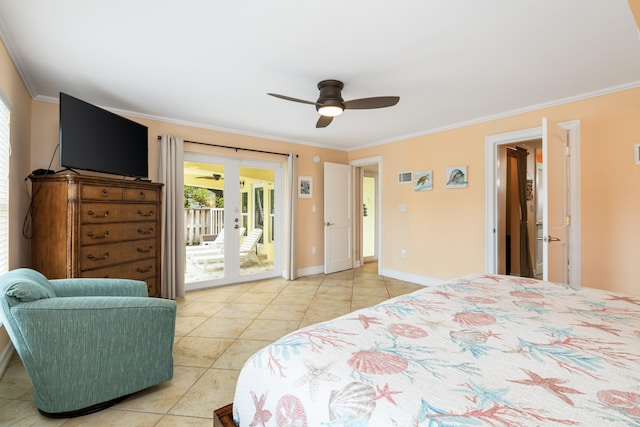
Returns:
(81, 287)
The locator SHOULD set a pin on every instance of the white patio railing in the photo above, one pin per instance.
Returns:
(199, 221)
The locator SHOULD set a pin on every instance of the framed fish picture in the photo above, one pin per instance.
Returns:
(423, 181)
(456, 177)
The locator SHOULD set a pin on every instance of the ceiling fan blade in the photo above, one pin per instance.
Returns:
(288, 98)
(369, 103)
(324, 121)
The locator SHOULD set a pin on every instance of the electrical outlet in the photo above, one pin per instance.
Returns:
(403, 253)
(313, 249)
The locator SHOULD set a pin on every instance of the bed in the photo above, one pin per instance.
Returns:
(480, 350)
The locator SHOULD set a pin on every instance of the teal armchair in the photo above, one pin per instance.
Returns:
(86, 343)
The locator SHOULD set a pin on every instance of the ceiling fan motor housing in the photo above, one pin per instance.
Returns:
(330, 94)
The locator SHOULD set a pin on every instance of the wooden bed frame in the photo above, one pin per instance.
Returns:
(223, 417)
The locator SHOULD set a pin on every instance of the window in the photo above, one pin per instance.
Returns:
(5, 152)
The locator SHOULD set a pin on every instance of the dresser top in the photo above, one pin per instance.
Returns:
(73, 178)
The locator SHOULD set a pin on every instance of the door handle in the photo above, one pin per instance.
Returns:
(548, 239)
(328, 223)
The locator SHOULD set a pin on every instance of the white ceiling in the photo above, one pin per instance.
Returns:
(210, 63)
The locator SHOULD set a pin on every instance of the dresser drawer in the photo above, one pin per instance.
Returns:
(137, 270)
(97, 234)
(117, 212)
(100, 192)
(140, 195)
(96, 256)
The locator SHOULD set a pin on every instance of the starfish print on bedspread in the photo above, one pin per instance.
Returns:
(314, 376)
(262, 416)
(552, 385)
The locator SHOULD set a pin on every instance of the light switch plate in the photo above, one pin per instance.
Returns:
(636, 154)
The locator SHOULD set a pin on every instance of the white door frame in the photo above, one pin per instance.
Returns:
(375, 160)
(232, 191)
(491, 198)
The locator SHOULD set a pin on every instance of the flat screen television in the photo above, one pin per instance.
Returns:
(98, 140)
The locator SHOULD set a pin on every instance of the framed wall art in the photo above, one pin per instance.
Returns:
(305, 187)
(423, 181)
(457, 177)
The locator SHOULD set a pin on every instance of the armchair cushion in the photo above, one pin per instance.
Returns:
(25, 285)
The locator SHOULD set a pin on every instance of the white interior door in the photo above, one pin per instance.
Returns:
(554, 215)
(338, 218)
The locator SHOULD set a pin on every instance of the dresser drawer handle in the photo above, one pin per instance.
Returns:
(142, 195)
(143, 231)
(94, 236)
(104, 192)
(144, 270)
(95, 215)
(93, 258)
(141, 213)
(145, 251)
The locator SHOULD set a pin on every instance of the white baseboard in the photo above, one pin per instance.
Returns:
(393, 274)
(310, 271)
(5, 358)
(413, 278)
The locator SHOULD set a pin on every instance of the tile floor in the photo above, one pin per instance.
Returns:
(216, 331)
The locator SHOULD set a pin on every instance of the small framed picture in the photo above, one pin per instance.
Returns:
(423, 180)
(457, 177)
(305, 187)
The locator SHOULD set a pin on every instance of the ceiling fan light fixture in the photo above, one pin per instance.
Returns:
(330, 110)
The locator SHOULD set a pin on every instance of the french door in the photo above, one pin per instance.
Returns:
(233, 221)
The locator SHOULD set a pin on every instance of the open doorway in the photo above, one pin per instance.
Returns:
(556, 188)
(232, 220)
(369, 214)
(368, 218)
(520, 202)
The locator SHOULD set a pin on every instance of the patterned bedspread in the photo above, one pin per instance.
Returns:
(481, 350)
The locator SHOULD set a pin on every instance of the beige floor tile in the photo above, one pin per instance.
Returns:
(198, 351)
(256, 297)
(212, 391)
(396, 289)
(115, 418)
(221, 327)
(283, 312)
(237, 354)
(162, 397)
(23, 413)
(182, 421)
(265, 329)
(371, 291)
(200, 308)
(291, 298)
(186, 324)
(367, 301)
(15, 382)
(320, 302)
(241, 310)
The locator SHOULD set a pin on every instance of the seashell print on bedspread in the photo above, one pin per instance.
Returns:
(481, 350)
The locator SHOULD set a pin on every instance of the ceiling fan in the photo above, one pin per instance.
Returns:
(214, 176)
(331, 104)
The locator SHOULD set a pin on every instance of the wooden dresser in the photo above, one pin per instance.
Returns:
(88, 226)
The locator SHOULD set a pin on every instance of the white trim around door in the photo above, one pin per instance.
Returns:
(491, 210)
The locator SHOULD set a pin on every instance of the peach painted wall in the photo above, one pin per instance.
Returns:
(443, 230)
(15, 94)
(310, 229)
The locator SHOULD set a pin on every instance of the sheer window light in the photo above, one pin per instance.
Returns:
(5, 152)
